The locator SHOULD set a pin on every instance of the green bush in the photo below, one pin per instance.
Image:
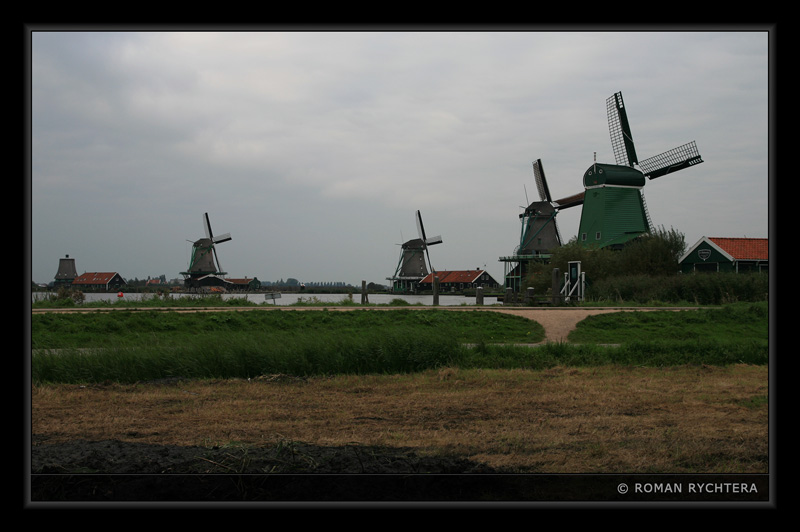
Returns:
(701, 289)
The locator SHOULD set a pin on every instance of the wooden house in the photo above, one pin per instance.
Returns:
(245, 284)
(717, 254)
(458, 280)
(99, 281)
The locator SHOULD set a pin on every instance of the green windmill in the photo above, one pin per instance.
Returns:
(614, 210)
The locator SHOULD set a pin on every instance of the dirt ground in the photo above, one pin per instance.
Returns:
(134, 454)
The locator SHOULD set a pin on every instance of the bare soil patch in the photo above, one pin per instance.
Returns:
(612, 420)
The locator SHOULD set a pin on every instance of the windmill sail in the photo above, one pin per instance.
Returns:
(620, 130)
(671, 161)
(427, 241)
(541, 181)
(625, 152)
(207, 226)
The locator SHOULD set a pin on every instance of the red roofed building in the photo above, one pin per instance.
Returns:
(458, 280)
(101, 281)
(717, 254)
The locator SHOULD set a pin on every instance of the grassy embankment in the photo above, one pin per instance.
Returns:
(130, 346)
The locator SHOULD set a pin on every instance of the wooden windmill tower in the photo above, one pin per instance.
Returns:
(539, 233)
(411, 268)
(66, 272)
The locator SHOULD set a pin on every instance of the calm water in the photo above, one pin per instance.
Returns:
(288, 299)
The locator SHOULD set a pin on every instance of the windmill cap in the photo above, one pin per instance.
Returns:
(599, 175)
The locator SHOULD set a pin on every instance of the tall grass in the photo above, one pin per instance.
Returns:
(247, 356)
(645, 354)
(397, 352)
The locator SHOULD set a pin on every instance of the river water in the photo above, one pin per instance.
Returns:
(291, 298)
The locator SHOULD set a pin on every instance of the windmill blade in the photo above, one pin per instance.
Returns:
(671, 161)
(620, 131)
(216, 257)
(207, 226)
(432, 241)
(421, 231)
(209, 234)
(222, 238)
(420, 228)
(426, 241)
(541, 182)
(569, 201)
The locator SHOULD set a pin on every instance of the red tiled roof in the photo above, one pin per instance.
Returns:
(94, 278)
(744, 248)
(455, 276)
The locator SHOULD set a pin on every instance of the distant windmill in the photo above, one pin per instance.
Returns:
(411, 267)
(205, 260)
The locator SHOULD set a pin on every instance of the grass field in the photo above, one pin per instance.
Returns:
(677, 392)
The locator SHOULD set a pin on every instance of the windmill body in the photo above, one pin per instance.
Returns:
(613, 208)
(539, 232)
(66, 272)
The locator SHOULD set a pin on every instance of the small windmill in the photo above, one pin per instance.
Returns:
(614, 210)
(411, 267)
(204, 260)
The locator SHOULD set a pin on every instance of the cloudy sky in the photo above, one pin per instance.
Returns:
(314, 149)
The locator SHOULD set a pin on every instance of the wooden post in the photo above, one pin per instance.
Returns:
(508, 300)
(435, 291)
(528, 296)
(479, 295)
(555, 290)
(364, 295)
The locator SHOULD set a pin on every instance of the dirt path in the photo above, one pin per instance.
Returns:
(557, 323)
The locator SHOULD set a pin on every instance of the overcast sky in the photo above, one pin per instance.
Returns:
(315, 149)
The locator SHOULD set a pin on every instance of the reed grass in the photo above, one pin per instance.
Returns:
(395, 352)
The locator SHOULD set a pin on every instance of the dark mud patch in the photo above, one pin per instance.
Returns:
(129, 471)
